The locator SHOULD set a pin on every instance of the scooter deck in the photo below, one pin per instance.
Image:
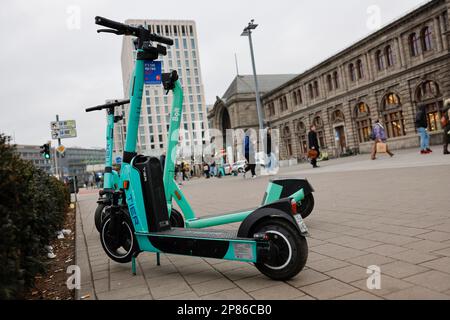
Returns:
(218, 220)
(212, 216)
(198, 234)
(206, 243)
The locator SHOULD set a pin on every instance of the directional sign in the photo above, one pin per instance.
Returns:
(57, 125)
(64, 133)
(63, 129)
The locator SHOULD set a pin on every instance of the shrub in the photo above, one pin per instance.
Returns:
(33, 206)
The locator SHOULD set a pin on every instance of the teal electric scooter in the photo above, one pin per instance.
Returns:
(272, 237)
(111, 177)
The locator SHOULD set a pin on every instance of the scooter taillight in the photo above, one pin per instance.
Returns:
(294, 207)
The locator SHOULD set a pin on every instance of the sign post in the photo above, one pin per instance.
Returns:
(61, 130)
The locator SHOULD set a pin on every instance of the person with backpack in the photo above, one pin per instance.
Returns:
(379, 136)
(445, 121)
(422, 128)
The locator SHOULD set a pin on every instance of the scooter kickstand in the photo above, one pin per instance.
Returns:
(158, 259)
(133, 265)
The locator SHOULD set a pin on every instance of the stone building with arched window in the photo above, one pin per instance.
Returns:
(385, 77)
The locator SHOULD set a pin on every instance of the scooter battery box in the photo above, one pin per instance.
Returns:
(153, 192)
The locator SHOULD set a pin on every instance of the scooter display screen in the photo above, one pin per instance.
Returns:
(153, 72)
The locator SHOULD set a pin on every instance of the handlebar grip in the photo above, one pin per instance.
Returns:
(94, 109)
(110, 23)
(161, 39)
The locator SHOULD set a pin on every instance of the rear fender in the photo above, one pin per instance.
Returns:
(278, 210)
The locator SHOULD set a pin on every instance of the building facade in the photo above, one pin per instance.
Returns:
(74, 162)
(184, 57)
(385, 76)
(33, 154)
(237, 109)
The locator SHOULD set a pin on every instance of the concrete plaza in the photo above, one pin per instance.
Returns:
(392, 213)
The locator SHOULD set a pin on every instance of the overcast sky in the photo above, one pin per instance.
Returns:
(49, 66)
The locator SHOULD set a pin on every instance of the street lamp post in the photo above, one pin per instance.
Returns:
(248, 33)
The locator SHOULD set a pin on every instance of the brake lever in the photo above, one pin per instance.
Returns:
(119, 33)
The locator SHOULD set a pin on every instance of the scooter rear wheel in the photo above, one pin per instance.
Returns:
(291, 247)
(307, 206)
(119, 248)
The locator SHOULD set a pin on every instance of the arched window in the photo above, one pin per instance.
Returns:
(329, 82)
(316, 89)
(389, 56)
(336, 80)
(302, 136)
(299, 95)
(320, 129)
(352, 72)
(393, 116)
(427, 41)
(294, 98)
(311, 92)
(414, 44)
(360, 69)
(271, 108)
(363, 122)
(287, 139)
(380, 60)
(428, 94)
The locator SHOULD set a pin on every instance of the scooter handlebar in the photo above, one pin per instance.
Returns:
(161, 39)
(117, 103)
(123, 28)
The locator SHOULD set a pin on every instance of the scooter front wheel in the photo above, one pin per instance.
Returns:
(99, 216)
(119, 247)
(289, 247)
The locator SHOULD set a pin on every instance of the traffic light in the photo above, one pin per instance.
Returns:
(45, 151)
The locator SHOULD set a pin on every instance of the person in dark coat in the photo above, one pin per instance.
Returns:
(313, 144)
(422, 128)
(249, 154)
(446, 127)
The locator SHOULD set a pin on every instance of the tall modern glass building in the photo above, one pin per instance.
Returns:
(183, 56)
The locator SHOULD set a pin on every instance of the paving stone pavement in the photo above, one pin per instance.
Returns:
(392, 213)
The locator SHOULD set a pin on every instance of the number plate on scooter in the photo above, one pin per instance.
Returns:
(301, 224)
(243, 251)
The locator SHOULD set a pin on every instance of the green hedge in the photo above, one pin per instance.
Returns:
(33, 206)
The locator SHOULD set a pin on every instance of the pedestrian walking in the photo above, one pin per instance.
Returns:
(380, 140)
(271, 159)
(249, 154)
(313, 146)
(178, 175)
(422, 128)
(445, 121)
(206, 170)
(212, 169)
